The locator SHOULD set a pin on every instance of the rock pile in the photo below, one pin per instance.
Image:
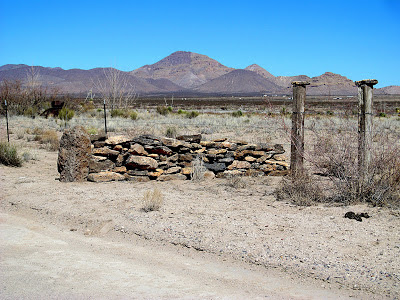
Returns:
(149, 157)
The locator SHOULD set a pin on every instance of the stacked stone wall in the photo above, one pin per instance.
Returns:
(148, 157)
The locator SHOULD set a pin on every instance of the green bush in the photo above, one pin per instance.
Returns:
(237, 114)
(133, 115)
(9, 155)
(163, 110)
(117, 113)
(169, 108)
(382, 115)
(66, 114)
(192, 114)
(180, 111)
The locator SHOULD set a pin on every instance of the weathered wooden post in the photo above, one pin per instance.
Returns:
(365, 101)
(297, 135)
(105, 116)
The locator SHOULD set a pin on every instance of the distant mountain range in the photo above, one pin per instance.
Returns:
(187, 73)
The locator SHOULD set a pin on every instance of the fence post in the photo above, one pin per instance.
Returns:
(105, 117)
(365, 116)
(8, 132)
(297, 134)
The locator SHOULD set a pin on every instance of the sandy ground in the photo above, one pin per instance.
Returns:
(313, 250)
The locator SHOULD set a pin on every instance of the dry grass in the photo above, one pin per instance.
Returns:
(152, 200)
(47, 138)
(302, 191)
(198, 169)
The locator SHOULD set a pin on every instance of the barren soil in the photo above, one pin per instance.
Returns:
(209, 240)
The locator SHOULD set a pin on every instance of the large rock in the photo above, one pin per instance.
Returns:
(193, 138)
(141, 162)
(74, 155)
(215, 167)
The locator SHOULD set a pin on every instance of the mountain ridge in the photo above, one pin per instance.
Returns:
(192, 73)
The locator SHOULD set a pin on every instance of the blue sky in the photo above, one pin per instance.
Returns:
(358, 39)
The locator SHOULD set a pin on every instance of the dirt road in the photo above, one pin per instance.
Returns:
(41, 261)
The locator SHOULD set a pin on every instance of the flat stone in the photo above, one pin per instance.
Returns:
(238, 164)
(137, 149)
(172, 170)
(171, 177)
(370, 82)
(208, 175)
(105, 177)
(138, 172)
(141, 162)
(99, 144)
(207, 144)
(215, 167)
(279, 157)
(97, 165)
(226, 160)
(155, 174)
(147, 139)
(118, 139)
(121, 169)
(118, 148)
(267, 168)
(193, 138)
(302, 83)
(163, 150)
(187, 170)
(250, 159)
(105, 151)
(216, 152)
(186, 157)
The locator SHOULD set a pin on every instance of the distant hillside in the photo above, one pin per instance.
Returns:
(190, 73)
(185, 69)
(79, 81)
(239, 82)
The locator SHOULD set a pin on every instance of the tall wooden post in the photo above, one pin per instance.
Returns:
(365, 116)
(297, 135)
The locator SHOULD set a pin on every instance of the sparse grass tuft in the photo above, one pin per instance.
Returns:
(237, 114)
(236, 182)
(9, 155)
(171, 132)
(152, 200)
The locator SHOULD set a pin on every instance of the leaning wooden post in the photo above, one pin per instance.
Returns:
(297, 135)
(365, 103)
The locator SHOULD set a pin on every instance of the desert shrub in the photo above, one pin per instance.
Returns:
(237, 114)
(335, 156)
(117, 113)
(171, 132)
(170, 109)
(152, 200)
(198, 169)
(9, 155)
(66, 114)
(180, 112)
(49, 139)
(162, 110)
(192, 114)
(133, 115)
(301, 191)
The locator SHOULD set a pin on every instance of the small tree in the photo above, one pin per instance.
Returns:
(116, 89)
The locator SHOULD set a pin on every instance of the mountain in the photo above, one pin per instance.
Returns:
(389, 90)
(188, 73)
(261, 71)
(185, 69)
(239, 82)
(77, 81)
(331, 84)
